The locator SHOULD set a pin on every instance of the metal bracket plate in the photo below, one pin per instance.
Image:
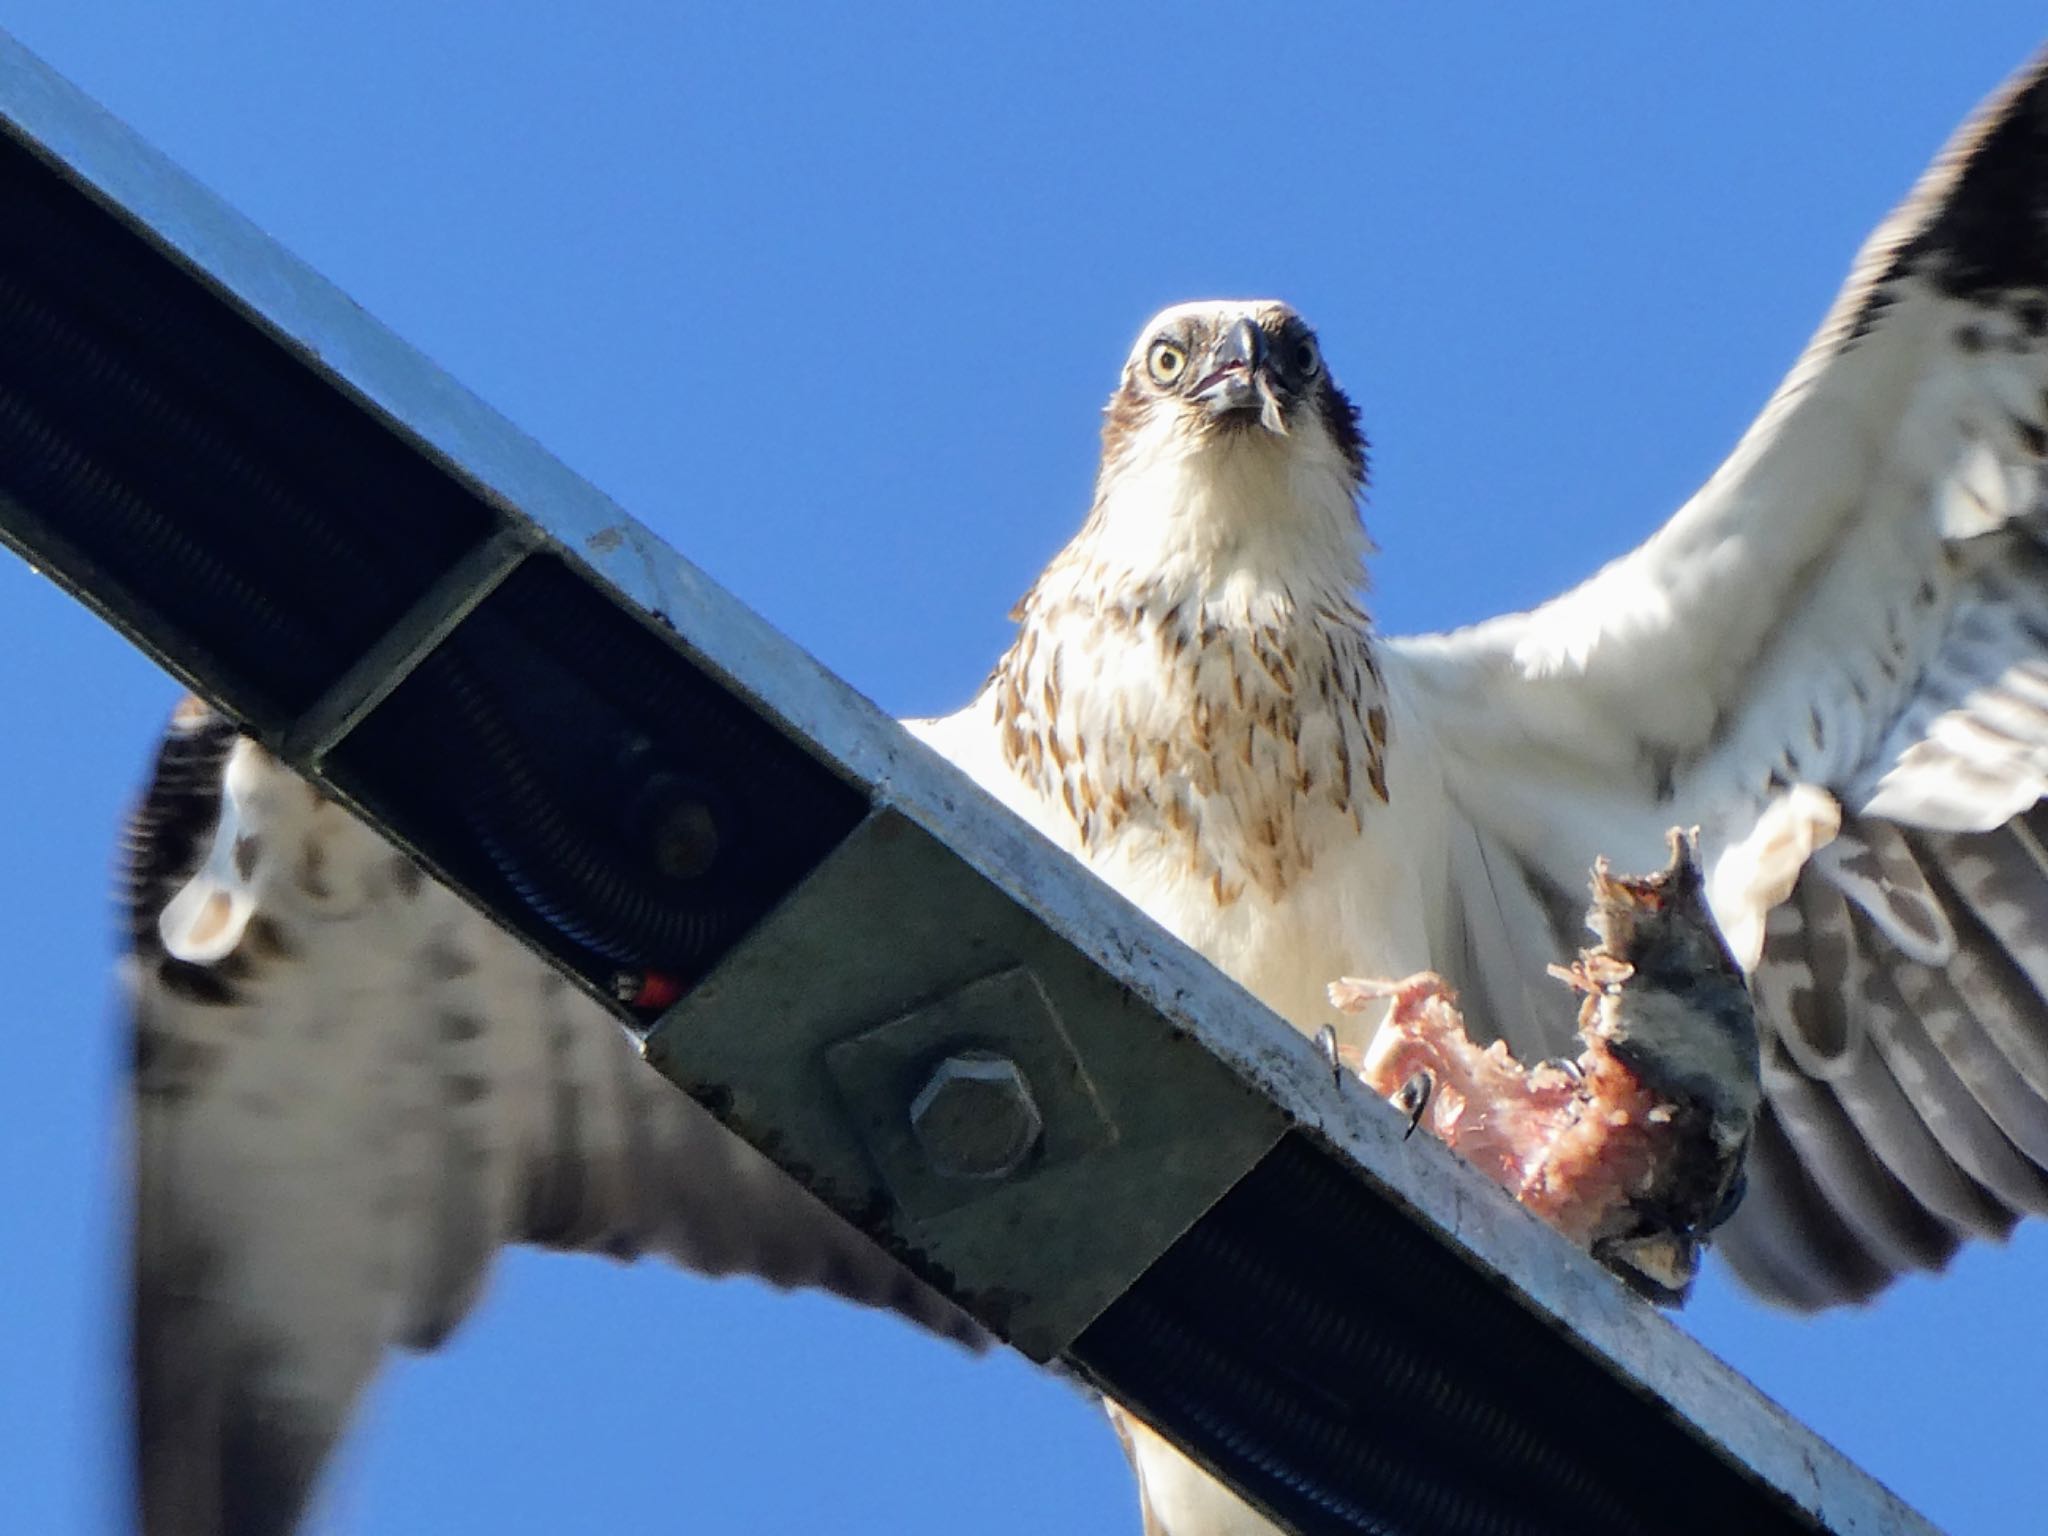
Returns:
(889, 956)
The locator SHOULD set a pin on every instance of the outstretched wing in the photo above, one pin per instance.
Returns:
(1834, 659)
(350, 1091)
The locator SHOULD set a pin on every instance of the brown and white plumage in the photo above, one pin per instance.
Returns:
(351, 1090)
(1834, 659)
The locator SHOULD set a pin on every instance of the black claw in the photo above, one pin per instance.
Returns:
(1730, 1199)
(1326, 1047)
(1413, 1099)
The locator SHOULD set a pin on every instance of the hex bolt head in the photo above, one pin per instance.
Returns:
(975, 1117)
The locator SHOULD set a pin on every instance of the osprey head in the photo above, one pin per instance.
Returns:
(1230, 372)
(1228, 454)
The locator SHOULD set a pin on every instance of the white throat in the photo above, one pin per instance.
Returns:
(1237, 521)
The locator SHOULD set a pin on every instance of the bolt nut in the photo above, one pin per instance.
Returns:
(685, 840)
(975, 1117)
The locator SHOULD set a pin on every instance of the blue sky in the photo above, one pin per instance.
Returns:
(831, 299)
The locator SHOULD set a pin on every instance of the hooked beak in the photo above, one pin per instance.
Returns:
(1239, 378)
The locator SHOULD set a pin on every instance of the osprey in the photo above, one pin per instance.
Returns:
(351, 1089)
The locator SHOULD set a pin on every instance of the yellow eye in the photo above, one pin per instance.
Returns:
(1165, 362)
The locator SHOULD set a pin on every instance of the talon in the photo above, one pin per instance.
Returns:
(1413, 1098)
(1326, 1047)
(1568, 1065)
(1731, 1197)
